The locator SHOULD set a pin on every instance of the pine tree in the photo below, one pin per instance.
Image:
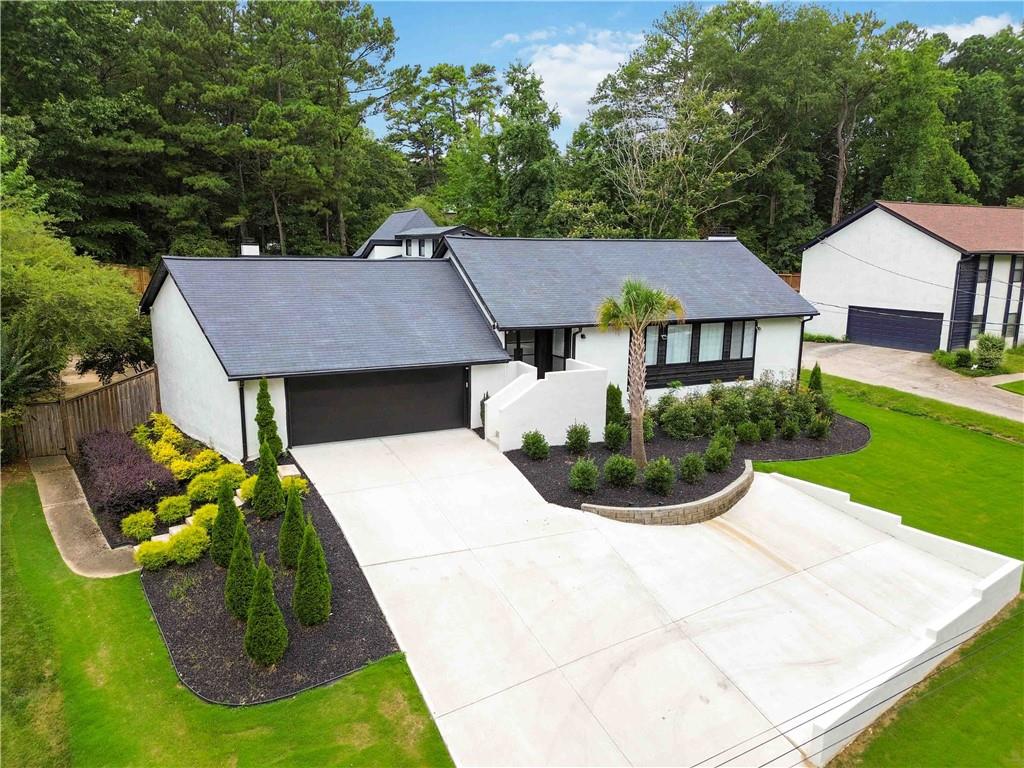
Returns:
(311, 597)
(267, 495)
(814, 382)
(241, 573)
(266, 426)
(225, 525)
(266, 636)
(289, 542)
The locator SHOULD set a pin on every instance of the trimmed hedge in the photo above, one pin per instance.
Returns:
(577, 439)
(659, 476)
(205, 516)
(119, 476)
(173, 509)
(139, 525)
(203, 488)
(535, 445)
(583, 476)
(620, 471)
(189, 544)
(691, 468)
(153, 555)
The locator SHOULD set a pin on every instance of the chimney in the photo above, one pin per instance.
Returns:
(250, 248)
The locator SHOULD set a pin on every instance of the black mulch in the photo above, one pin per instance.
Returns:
(205, 641)
(551, 476)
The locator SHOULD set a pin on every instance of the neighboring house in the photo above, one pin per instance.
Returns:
(918, 276)
(500, 329)
(410, 233)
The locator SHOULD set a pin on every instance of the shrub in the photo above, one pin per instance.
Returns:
(160, 422)
(691, 468)
(233, 473)
(615, 435)
(241, 572)
(718, 455)
(614, 411)
(205, 516)
(766, 429)
(648, 427)
(583, 476)
(535, 446)
(577, 439)
(246, 487)
(289, 541)
(761, 403)
(703, 416)
(207, 460)
(182, 469)
(990, 351)
(300, 484)
(266, 636)
(820, 427)
(733, 408)
(665, 402)
(814, 381)
(119, 476)
(311, 596)
(164, 452)
(203, 487)
(173, 436)
(962, 358)
(153, 555)
(225, 526)
(677, 421)
(822, 404)
(266, 426)
(173, 509)
(725, 436)
(189, 544)
(139, 525)
(803, 409)
(790, 429)
(142, 436)
(659, 476)
(716, 392)
(267, 494)
(620, 471)
(748, 432)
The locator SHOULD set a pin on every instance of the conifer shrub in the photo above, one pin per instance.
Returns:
(241, 573)
(311, 596)
(173, 509)
(225, 526)
(267, 494)
(691, 468)
(615, 435)
(614, 411)
(814, 380)
(659, 476)
(163, 452)
(140, 525)
(583, 476)
(577, 439)
(205, 516)
(182, 469)
(266, 636)
(535, 445)
(620, 471)
(293, 528)
(266, 426)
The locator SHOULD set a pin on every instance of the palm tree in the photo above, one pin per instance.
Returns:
(639, 306)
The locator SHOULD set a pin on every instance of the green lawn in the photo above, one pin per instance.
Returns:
(1013, 362)
(954, 480)
(86, 681)
(1016, 387)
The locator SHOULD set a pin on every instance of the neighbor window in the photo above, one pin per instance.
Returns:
(742, 342)
(1010, 326)
(651, 348)
(712, 336)
(678, 348)
(408, 247)
(422, 248)
(1017, 274)
(977, 323)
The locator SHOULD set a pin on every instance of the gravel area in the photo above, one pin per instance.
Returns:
(551, 476)
(205, 641)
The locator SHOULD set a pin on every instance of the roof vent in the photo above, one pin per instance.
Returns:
(721, 233)
(250, 248)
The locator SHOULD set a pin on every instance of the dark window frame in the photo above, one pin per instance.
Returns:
(421, 247)
(408, 247)
(696, 371)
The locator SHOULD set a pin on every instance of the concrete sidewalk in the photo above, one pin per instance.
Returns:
(75, 532)
(913, 372)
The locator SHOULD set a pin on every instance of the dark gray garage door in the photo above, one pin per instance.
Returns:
(897, 328)
(349, 406)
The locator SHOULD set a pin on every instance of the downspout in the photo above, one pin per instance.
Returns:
(572, 341)
(800, 354)
(241, 410)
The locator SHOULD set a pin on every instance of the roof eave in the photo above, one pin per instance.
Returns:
(377, 369)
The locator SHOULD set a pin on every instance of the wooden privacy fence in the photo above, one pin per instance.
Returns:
(138, 276)
(792, 279)
(52, 428)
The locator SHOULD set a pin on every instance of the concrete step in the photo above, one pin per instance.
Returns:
(160, 537)
(238, 501)
(288, 470)
(175, 528)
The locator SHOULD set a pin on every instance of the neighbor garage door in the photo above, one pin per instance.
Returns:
(349, 406)
(897, 328)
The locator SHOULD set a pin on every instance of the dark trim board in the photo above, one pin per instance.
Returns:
(689, 374)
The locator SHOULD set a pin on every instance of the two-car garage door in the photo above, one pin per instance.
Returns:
(897, 328)
(349, 406)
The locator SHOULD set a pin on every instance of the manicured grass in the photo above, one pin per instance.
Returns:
(87, 681)
(1017, 387)
(1013, 361)
(958, 482)
(934, 410)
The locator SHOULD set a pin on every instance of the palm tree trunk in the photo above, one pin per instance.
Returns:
(637, 388)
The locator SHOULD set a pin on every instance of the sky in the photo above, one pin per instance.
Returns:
(573, 45)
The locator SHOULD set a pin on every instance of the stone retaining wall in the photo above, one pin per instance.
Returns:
(682, 514)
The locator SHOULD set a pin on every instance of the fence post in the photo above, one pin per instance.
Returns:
(65, 423)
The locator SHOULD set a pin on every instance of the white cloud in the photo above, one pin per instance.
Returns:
(981, 25)
(572, 71)
(536, 35)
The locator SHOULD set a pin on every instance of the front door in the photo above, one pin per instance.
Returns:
(544, 348)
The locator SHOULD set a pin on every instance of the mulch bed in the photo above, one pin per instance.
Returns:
(110, 524)
(205, 640)
(551, 477)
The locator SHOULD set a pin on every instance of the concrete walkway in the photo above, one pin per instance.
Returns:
(78, 537)
(913, 372)
(541, 635)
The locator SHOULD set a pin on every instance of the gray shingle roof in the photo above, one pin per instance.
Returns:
(535, 283)
(428, 231)
(393, 224)
(287, 316)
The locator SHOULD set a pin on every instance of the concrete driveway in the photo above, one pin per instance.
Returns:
(541, 635)
(913, 372)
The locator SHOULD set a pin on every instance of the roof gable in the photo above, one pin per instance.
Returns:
(393, 224)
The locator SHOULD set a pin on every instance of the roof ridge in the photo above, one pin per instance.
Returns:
(952, 205)
(275, 258)
(601, 239)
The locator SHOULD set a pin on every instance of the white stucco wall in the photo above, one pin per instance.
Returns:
(486, 380)
(778, 347)
(385, 251)
(194, 389)
(608, 350)
(277, 398)
(830, 277)
(997, 294)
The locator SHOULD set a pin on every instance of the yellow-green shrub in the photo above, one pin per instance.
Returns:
(160, 422)
(287, 483)
(152, 555)
(140, 525)
(205, 516)
(188, 544)
(182, 469)
(233, 473)
(173, 508)
(203, 487)
(163, 452)
(207, 460)
(246, 487)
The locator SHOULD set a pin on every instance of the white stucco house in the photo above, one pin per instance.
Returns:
(493, 332)
(918, 276)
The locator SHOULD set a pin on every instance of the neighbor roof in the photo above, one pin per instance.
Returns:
(268, 316)
(433, 231)
(387, 232)
(967, 228)
(536, 283)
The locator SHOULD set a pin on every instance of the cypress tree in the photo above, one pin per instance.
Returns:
(814, 382)
(241, 573)
(222, 540)
(266, 636)
(293, 528)
(267, 495)
(311, 597)
(266, 425)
